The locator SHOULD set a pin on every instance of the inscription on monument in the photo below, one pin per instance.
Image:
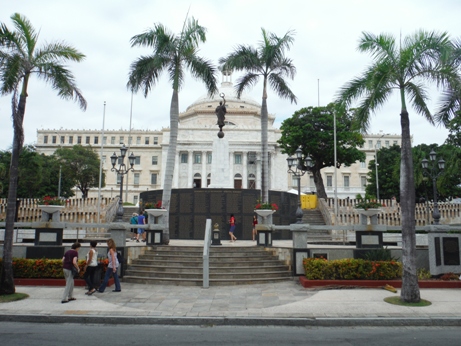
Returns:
(438, 257)
(451, 251)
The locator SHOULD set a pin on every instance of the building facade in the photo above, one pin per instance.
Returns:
(197, 130)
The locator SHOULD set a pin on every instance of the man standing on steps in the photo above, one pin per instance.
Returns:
(141, 231)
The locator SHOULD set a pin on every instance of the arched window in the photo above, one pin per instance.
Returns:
(197, 181)
(251, 181)
(238, 181)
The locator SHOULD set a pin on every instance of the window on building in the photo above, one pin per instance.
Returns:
(103, 159)
(121, 140)
(238, 159)
(87, 140)
(71, 139)
(119, 179)
(130, 140)
(112, 140)
(363, 181)
(209, 158)
(146, 140)
(155, 140)
(370, 144)
(104, 140)
(138, 140)
(63, 138)
(137, 160)
(296, 181)
(346, 181)
(53, 140)
(153, 178)
(45, 139)
(184, 157)
(363, 164)
(378, 144)
(251, 181)
(96, 140)
(154, 160)
(395, 143)
(251, 157)
(79, 140)
(329, 181)
(197, 158)
(386, 143)
(135, 200)
(136, 179)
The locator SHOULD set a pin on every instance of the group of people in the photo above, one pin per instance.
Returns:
(233, 238)
(140, 219)
(71, 268)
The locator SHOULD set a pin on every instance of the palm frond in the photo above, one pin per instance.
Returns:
(247, 81)
(418, 97)
(145, 72)
(279, 85)
(204, 70)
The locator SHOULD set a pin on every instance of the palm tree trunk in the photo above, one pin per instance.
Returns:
(6, 277)
(170, 162)
(264, 149)
(410, 288)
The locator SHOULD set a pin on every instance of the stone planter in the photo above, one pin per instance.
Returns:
(50, 209)
(156, 212)
(369, 212)
(264, 212)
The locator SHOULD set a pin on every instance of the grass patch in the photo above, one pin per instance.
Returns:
(398, 301)
(6, 298)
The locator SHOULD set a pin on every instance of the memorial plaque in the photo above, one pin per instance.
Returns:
(370, 240)
(47, 237)
(451, 251)
(184, 227)
(199, 227)
(216, 203)
(438, 257)
(200, 202)
(186, 203)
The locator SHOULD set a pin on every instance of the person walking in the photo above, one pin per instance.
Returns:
(69, 267)
(111, 268)
(141, 231)
(134, 221)
(255, 222)
(90, 267)
(232, 228)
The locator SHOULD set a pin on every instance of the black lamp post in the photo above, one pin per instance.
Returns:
(298, 167)
(434, 173)
(122, 170)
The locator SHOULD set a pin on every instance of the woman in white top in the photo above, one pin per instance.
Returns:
(90, 268)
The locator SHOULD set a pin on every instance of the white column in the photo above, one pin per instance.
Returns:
(204, 169)
(189, 170)
(258, 171)
(231, 168)
(272, 170)
(245, 170)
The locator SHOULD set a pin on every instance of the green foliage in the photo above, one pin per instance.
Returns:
(351, 269)
(424, 274)
(44, 268)
(312, 129)
(365, 204)
(379, 255)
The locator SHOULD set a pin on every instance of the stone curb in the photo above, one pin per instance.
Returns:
(236, 321)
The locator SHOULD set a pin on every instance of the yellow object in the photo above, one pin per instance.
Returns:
(308, 201)
(390, 288)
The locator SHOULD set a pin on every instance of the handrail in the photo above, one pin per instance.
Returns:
(206, 254)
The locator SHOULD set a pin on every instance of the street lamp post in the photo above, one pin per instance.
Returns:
(298, 167)
(122, 170)
(434, 173)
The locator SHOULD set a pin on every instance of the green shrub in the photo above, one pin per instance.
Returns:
(351, 269)
(379, 255)
(43, 268)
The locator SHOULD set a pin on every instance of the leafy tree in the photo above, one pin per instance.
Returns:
(269, 62)
(174, 54)
(409, 68)
(20, 58)
(388, 174)
(312, 130)
(81, 164)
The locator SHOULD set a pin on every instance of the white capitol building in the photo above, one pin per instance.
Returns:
(197, 131)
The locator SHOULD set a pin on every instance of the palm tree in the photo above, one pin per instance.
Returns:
(20, 58)
(407, 68)
(173, 54)
(269, 62)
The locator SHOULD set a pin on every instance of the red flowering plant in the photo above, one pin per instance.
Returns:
(157, 205)
(266, 206)
(48, 200)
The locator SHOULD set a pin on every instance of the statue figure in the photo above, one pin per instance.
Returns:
(220, 113)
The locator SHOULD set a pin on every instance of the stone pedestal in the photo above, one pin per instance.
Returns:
(444, 253)
(119, 237)
(220, 170)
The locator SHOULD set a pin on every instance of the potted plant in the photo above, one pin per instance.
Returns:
(155, 209)
(50, 204)
(265, 209)
(368, 208)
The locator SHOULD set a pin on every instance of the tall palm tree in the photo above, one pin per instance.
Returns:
(269, 62)
(409, 68)
(20, 58)
(175, 54)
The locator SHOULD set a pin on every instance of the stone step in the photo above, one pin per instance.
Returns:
(235, 258)
(213, 269)
(191, 282)
(199, 275)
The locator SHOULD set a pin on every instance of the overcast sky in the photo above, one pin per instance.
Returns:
(324, 53)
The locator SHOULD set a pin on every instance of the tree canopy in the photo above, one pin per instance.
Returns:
(312, 130)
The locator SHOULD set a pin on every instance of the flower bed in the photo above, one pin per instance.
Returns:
(306, 283)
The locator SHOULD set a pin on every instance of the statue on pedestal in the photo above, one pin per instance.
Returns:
(221, 114)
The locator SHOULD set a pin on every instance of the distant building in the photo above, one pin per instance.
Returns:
(197, 130)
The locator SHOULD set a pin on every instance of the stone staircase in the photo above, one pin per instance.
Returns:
(315, 217)
(183, 265)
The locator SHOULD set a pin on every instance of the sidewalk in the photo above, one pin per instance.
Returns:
(285, 303)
